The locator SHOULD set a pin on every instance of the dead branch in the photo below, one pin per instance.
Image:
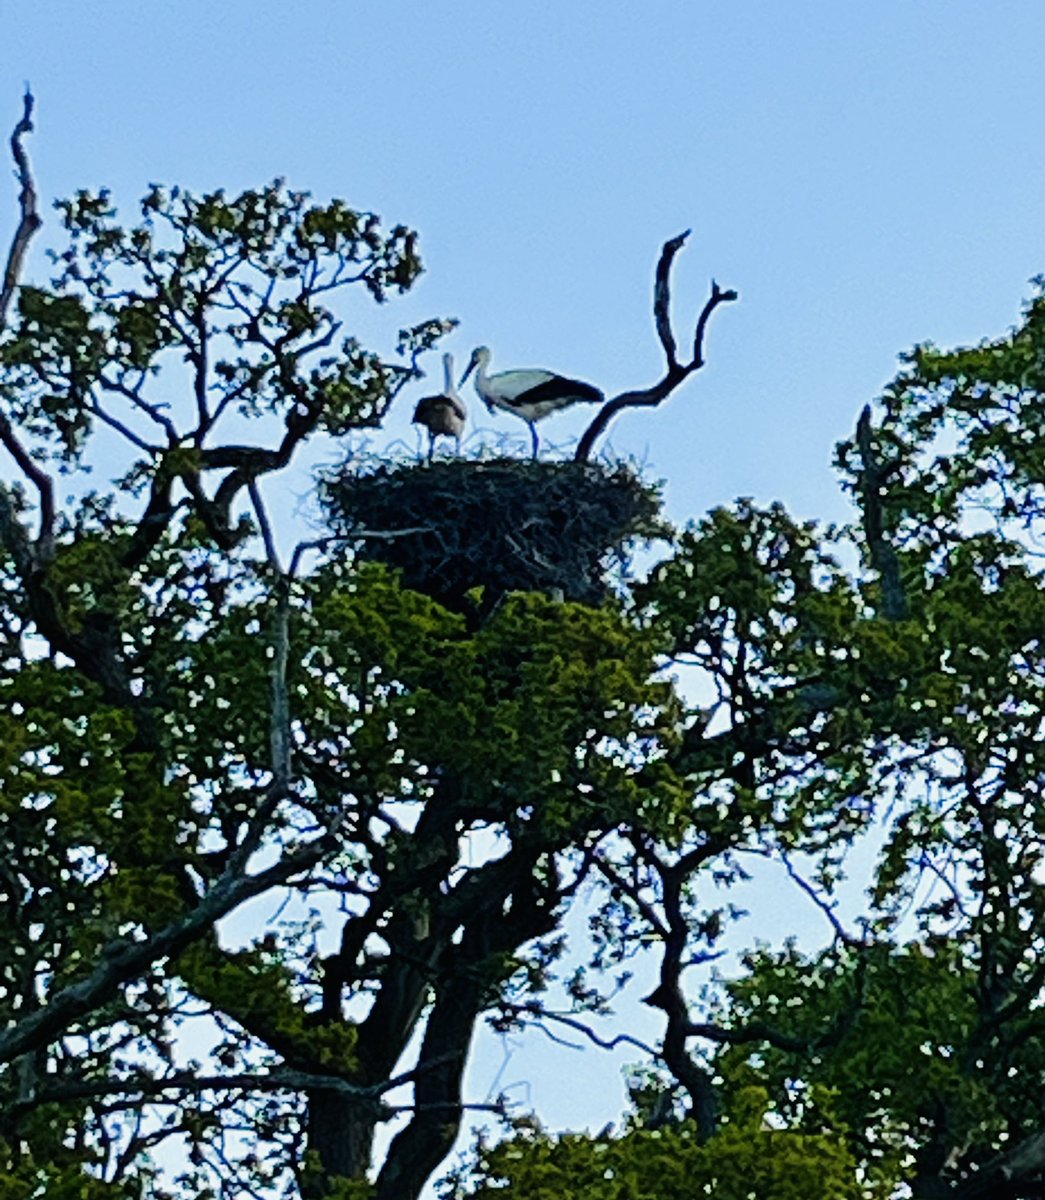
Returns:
(29, 221)
(279, 718)
(675, 372)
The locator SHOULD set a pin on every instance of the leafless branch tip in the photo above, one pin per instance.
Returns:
(29, 219)
(675, 372)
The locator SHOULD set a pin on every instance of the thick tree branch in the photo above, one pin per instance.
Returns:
(1025, 1161)
(873, 480)
(675, 372)
(30, 220)
(669, 997)
(44, 487)
(123, 961)
(461, 994)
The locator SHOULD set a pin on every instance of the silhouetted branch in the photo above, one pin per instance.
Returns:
(675, 372)
(124, 960)
(662, 297)
(873, 478)
(718, 296)
(538, 1015)
(841, 933)
(29, 221)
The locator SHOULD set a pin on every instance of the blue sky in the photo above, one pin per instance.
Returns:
(866, 175)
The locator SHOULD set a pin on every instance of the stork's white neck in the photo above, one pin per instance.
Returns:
(448, 374)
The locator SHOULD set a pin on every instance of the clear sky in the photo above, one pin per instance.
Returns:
(867, 175)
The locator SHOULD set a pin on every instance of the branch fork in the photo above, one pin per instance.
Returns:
(675, 372)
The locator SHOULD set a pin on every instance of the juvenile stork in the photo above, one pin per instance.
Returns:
(530, 394)
(444, 413)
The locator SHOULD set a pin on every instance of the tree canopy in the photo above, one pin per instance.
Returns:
(402, 753)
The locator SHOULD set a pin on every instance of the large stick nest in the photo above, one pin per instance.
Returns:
(501, 525)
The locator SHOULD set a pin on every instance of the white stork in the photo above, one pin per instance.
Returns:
(444, 413)
(530, 394)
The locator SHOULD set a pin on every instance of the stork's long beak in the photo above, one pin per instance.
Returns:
(468, 370)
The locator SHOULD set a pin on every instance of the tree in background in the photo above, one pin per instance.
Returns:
(431, 730)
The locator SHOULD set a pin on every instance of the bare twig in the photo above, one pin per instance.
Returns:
(538, 1015)
(675, 372)
(841, 934)
(29, 221)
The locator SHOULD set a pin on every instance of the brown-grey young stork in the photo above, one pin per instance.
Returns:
(530, 394)
(444, 413)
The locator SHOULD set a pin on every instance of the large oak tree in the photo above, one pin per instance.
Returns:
(424, 734)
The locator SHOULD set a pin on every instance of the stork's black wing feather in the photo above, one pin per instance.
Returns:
(559, 388)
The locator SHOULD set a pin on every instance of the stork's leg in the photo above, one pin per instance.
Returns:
(533, 435)
(431, 445)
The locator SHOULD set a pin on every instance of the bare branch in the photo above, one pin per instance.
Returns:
(675, 372)
(124, 960)
(718, 296)
(841, 934)
(662, 297)
(265, 526)
(29, 221)
(279, 718)
(539, 1014)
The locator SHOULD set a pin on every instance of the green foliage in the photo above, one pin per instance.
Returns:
(257, 991)
(747, 1158)
(229, 285)
(424, 747)
(27, 1181)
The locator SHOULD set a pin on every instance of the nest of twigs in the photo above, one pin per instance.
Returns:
(502, 525)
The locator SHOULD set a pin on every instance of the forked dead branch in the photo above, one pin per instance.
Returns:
(675, 372)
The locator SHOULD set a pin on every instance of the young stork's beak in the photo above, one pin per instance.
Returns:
(468, 370)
